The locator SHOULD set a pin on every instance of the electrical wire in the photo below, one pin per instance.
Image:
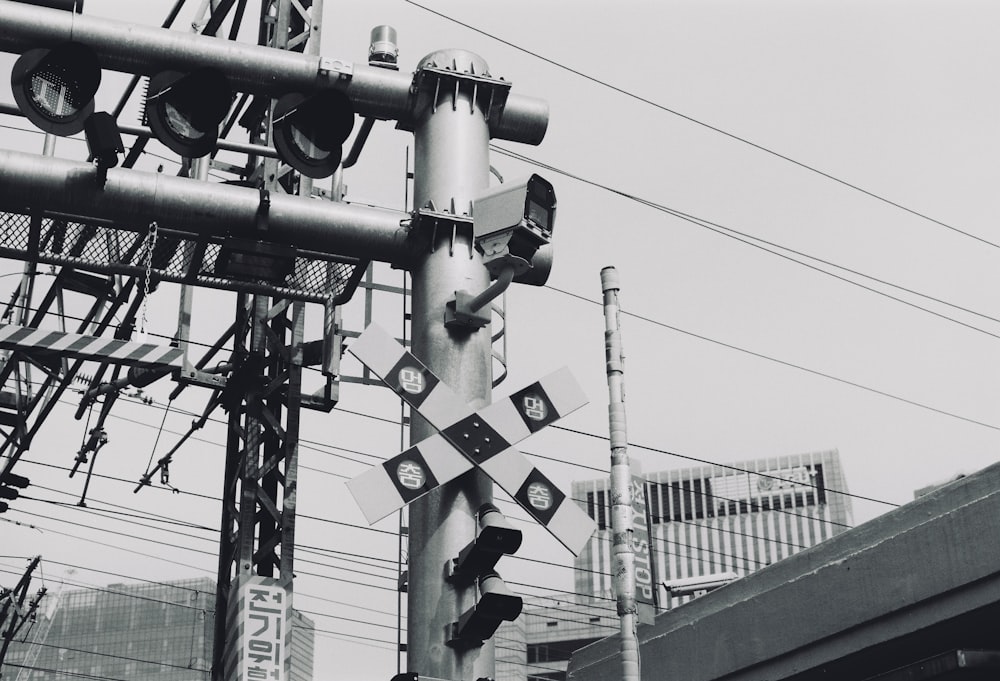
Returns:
(58, 672)
(763, 244)
(126, 594)
(118, 657)
(708, 126)
(733, 347)
(790, 365)
(746, 560)
(730, 467)
(212, 554)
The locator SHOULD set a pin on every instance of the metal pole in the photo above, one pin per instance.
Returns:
(451, 167)
(257, 69)
(623, 554)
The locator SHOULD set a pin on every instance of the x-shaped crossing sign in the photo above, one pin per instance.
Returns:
(468, 438)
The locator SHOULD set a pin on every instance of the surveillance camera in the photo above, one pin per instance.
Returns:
(512, 221)
(689, 585)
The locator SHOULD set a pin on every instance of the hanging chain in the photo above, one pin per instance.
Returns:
(150, 246)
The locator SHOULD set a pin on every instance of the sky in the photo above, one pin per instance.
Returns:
(833, 286)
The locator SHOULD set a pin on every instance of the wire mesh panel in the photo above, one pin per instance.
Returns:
(171, 255)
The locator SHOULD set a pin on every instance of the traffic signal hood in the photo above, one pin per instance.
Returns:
(496, 605)
(8, 482)
(309, 132)
(55, 87)
(475, 564)
(496, 538)
(184, 110)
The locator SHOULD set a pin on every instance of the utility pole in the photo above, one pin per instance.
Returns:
(451, 167)
(623, 554)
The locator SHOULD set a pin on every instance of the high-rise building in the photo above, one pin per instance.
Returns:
(702, 521)
(121, 632)
(715, 519)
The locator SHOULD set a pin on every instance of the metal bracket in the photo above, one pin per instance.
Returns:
(430, 81)
(428, 221)
(456, 642)
(459, 312)
(343, 70)
(205, 379)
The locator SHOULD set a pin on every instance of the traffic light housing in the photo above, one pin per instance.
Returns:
(184, 110)
(496, 538)
(496, 604)
(8, 482)
(475, 563)
(309, 131)
(55, 87)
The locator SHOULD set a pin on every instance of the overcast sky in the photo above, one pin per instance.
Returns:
(856, 139)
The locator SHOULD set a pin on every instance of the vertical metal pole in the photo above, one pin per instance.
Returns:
(261, 478)
(622, 552)
(451, 166)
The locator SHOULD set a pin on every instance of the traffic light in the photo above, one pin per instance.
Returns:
(496, 538)
(496, 604)
(55, 87)
(309, 131)
(9, 481)
(184, 110)
(475, 563)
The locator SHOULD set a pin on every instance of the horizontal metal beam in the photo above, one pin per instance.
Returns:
(131, 199)
(146, 50)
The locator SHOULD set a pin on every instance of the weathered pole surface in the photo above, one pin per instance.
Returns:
(623, 555)
(451, 167)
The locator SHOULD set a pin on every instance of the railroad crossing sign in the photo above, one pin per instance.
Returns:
(468, 438)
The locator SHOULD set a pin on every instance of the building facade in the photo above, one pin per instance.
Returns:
(161, 631)
(702, 521)
(717, 519)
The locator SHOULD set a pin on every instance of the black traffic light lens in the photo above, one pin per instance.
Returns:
(185, 110)
(55, 87)
(309, 131)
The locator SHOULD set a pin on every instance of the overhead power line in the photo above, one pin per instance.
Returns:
(769, 246)
(571, 463)
(708, 126)
(785, 363)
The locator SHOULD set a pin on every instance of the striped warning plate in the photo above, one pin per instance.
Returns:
(485, 438)
(78, 346)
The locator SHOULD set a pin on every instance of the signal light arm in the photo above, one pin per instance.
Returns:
(374, 92)
(132, 199)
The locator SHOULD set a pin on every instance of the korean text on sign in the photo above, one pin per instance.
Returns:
(264, 633)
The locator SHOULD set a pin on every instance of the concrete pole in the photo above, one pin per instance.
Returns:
(451, 168)
(623, 554)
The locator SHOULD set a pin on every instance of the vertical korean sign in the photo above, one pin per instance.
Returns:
(645, 562)
(265, 623)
